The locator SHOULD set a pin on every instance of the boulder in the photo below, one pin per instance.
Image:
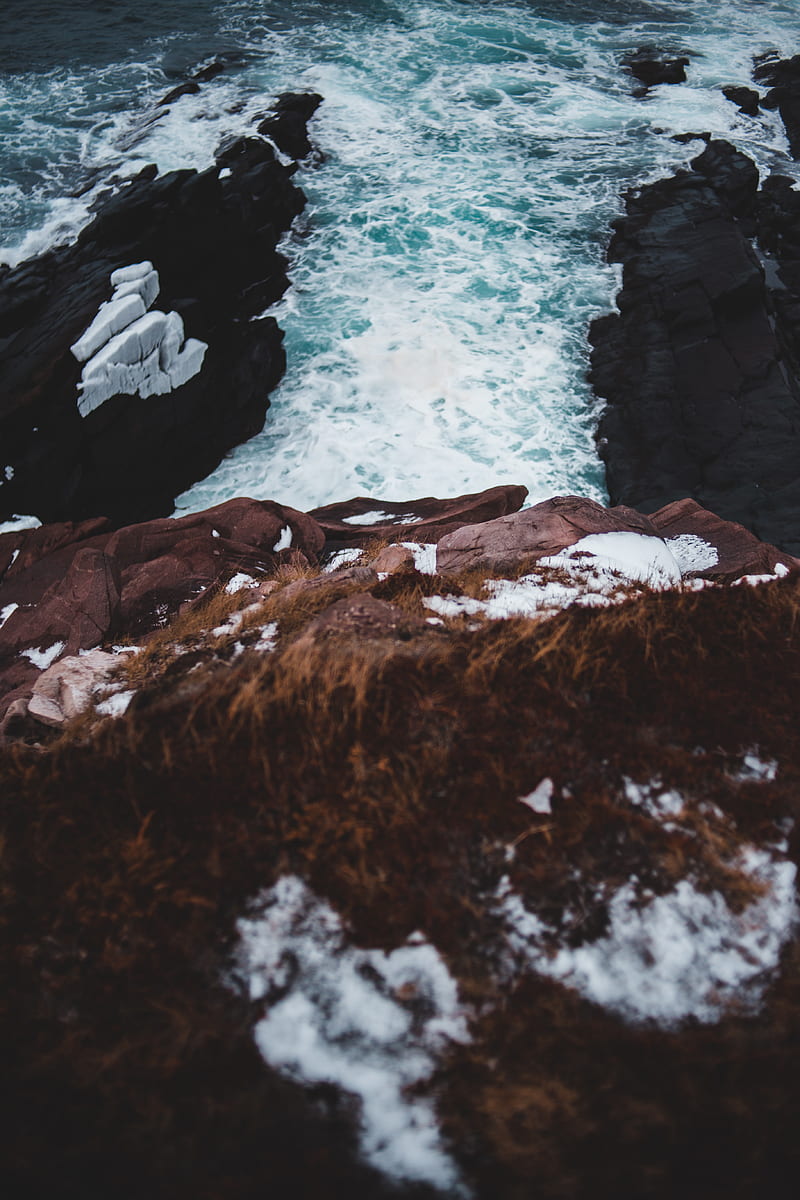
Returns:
(363, 519)
(747, 99)
(145, 431)
(739, 552)
(84, 584)
(66, 689)
(545, 529)
(652, 67)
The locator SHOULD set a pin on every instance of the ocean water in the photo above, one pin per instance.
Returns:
(451, 255)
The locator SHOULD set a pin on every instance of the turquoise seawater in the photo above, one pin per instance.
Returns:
(452, 252)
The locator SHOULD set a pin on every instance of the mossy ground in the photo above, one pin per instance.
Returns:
(386, 772)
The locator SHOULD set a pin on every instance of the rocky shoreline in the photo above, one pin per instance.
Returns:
(700, 366)
(399, 849)
(202, 245)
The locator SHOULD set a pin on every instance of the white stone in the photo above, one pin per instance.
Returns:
(126, 274)
(172, 340)
(188, 362)
(112, 317)
(147, 287)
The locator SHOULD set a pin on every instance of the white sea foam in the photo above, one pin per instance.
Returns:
(452, 250)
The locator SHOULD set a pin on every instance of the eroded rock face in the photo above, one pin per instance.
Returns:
(362, 519)
(782, 77)
(701, 380)
(208, 241)
(544, 529)
(738, 551)
(71, 587)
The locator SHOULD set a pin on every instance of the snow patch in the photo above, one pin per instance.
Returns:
(366, 1021)
(539, 799)
(18, 524)
(424, 556)
(239, 581)
(116, 705)
(340, 559)
(8, 473)
(380, 518)
(284, 541)
(670, 958)
(7, 612)
(635, 556)
(43, 658)
(692, 553)
(754, 768)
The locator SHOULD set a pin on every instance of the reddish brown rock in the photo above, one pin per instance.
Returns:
(339, 581)
(80, 584)
(740, 552)
(394, 560)
(32, 545)
(425, 520)
(362, 614)
(546, 528)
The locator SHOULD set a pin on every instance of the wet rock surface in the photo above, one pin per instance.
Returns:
(700, 364)
(211, 237)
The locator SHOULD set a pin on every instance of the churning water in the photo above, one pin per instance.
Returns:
(451, 254)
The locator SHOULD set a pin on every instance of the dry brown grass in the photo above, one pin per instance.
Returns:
(387, 774)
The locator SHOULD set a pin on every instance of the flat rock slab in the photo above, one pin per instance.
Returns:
(363, 519)
(739, 551)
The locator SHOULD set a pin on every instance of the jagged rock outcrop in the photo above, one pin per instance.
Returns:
(652, 66)
(782, 77)
(700, 377)
(723, 550)
(71, 588)
(363, 519)
(208, 240)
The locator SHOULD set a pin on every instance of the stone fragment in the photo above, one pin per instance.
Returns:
(65, 690)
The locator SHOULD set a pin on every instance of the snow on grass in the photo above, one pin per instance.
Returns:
(539, 799)
(693, 553)
(371, 1023)
(341, 558)
(781, 571)
(239, 581)
(43, 658)
(656, 803)
(756, 769)
(674, 957)
(7, 612)
(115, 705)
(18, 524)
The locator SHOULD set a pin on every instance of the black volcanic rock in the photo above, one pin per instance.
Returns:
(782, 76)
(212, 237)
(287, 124)
(747, 99)
(652, 66)
(699, 364)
